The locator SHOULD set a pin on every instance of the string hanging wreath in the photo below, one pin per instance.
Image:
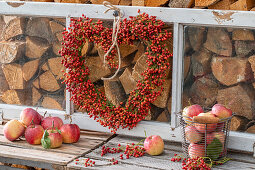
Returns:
(142, 27)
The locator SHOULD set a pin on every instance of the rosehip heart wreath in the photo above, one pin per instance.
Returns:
(142, 27)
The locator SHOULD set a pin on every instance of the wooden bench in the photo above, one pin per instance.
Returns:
(22, 153)
(242, 161)
(73, 156)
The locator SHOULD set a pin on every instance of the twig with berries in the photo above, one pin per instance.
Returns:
(198, 163)
(85, 162)
(130, 150)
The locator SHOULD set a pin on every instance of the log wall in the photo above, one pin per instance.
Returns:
(31, 70)
(222, 71)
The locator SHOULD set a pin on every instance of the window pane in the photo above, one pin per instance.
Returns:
(219, 67)
(31, 69)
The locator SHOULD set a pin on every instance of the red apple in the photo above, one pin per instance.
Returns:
(209, 138)
(196, 150)
(34, 134)
(29, 114)
(190, 111)
(220, 136)
(221, 111)
(154, 145)
(192, 134)
(51, 139)
(47, 122)
(13, 130)
(209, 127)
(70, 133)
(220, 126)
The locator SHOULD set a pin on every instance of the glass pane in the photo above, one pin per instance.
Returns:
(133, 63)
(219, 67)
(31, 69)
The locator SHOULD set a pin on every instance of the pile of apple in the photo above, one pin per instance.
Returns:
(51, 132)
(205, 129)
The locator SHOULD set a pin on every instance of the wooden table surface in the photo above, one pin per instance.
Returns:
(20, 152)
(72, 156)
(240, 161)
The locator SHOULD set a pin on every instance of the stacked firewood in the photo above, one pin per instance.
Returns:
(31, 68)
(221, 67)
(245, 5)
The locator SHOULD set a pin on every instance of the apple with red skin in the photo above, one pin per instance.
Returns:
(196, 150)
(220, 136)
(209, 127)
(29, 114)
(51, 139)
(154, 145)
(192, 134)
(70, 133)
(47, 122)
(13, 130)
(220, 126)
(191, 111)
(209, 138)
(34, 134)
(221, 111)
(55, 138)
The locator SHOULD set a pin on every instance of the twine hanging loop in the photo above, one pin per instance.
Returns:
(116, 26)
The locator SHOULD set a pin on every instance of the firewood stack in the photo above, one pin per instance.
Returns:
(221, 70)
(244, 5)
(31, 69)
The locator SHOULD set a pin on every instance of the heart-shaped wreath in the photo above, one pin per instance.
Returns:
(142, 27)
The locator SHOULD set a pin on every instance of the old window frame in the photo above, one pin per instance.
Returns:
(178, 17)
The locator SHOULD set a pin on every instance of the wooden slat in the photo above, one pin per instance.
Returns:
(127, 139)
(106, 165)
(235, 165)
(88, 140)
(65, 148)
(35, 155)
(3, 167)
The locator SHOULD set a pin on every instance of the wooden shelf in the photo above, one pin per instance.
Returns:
(20, 152)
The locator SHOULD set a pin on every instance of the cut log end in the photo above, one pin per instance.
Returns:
(29, 69)
(48, 82)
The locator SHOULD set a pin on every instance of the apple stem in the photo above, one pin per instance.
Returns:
(140, 142)
(145, 134)
(189, 101)
(44, 113)
(71, 120)
(52, 126)
(32, 123)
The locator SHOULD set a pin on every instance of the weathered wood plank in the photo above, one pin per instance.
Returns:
(43, 156)
(239, 160)
(126, 139)
(38, 164)
(65, 148)
(106, 165)
(155, 162)
(88, 140)
(235, 165)
(3, 167)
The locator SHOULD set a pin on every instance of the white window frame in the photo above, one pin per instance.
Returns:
(176, 16)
